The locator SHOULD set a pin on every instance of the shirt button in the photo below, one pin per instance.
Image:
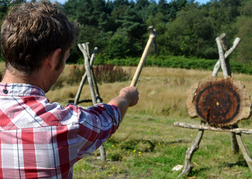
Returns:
(5, 91)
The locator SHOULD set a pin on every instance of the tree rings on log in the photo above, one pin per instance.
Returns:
(220, 102)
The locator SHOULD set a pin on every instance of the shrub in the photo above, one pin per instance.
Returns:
(75, 75)
(110, 73)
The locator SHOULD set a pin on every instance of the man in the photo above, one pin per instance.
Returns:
(39, 139)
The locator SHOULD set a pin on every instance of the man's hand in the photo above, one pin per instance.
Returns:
(131, 94)
(127, 97)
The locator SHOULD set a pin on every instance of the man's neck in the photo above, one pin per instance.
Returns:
(15, 76)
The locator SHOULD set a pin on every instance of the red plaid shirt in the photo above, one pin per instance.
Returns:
(44, 140)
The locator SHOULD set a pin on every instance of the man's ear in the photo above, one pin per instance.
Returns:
(53, 58)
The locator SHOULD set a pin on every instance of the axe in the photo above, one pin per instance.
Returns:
(152, 39)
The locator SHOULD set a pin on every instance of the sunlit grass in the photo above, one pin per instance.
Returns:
(147, 145)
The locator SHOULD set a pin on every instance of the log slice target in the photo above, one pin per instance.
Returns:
(220, 102)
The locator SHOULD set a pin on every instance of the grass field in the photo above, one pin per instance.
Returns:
(147, 145)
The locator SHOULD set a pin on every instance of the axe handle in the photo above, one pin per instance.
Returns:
(142, 60)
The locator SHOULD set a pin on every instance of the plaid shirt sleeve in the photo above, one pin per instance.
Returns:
(39, 139)
(96, 125)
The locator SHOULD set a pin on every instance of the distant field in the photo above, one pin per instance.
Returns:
(147, 145)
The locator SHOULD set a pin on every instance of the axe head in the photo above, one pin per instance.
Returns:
(153, 32)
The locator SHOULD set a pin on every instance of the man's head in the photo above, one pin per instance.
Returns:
(31, 32)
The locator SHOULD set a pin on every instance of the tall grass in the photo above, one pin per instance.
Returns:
(102, 73)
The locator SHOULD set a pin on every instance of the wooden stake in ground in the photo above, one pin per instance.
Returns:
(92, 83)
(84, 77)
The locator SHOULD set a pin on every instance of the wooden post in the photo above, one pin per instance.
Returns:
(190, 151)
(84, 77)
(222, 58)
(244, 151)
(224, 45)
(90, 76)
(98, 98)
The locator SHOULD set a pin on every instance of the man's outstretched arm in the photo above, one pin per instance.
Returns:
(127, 97)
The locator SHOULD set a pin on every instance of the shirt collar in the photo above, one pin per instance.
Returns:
(20, 89)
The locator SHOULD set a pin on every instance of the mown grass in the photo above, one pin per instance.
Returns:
(147, 145)
(146, 148)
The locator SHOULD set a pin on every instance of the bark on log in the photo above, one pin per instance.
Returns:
(220, 102)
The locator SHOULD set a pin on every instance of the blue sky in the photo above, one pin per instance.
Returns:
(200, 1)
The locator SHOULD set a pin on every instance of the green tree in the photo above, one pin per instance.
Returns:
(244, 50)
(98, 11)
(244, 30)
(191, 33)
(141, 9)
(132, 24)
(184, 27)
(118, 47)
(87, 34)
(80, 11)
(170, 9)
(4, 6)
(118, 3)
(224, 13)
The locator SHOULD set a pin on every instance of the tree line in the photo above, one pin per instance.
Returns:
(119, 28)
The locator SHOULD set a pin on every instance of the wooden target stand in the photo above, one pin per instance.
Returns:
(221, 103)
(90, 77)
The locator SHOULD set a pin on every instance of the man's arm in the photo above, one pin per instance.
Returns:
(127, 97)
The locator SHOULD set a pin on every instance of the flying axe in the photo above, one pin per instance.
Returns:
(152, 40)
